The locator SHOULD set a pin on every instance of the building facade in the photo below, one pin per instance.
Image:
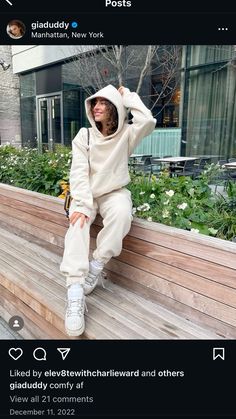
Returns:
(54, 82)
(195, 92)
(10, 126)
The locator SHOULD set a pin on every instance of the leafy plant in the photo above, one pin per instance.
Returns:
(28, 169)
(186, 203)
(181, 202)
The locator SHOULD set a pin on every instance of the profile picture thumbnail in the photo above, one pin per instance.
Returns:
(16, 29)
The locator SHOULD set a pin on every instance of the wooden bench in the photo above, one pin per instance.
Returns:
(166, 284)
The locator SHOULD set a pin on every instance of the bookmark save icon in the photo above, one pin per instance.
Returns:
(64, 352)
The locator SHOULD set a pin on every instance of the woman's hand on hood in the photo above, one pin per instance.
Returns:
(121, 90)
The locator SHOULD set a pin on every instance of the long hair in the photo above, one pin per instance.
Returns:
(17, 23)
(112, 123)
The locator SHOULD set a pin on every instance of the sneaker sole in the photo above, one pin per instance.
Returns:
(87, 292)
(75, 332)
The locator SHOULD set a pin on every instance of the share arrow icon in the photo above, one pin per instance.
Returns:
(64, 352)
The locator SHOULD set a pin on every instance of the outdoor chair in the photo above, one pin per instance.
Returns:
(222, 162)
(144, 166)
(232, 175)
(221, 178)
(203, 161)
(188, 169)
(133, 164)
(155, 165)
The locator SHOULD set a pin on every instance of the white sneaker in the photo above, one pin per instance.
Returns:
(74, 318)
(95, 273)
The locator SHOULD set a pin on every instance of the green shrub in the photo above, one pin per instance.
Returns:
(28, 169)
(186, 203)
(180, 202)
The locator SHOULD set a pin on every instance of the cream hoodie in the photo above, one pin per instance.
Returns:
(103, 166)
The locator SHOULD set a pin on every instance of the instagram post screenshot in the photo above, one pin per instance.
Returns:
(117, 209)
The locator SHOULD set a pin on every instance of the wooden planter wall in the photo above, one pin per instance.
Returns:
(190, 274)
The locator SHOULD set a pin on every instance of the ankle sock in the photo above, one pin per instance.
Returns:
(96, 264)
(75, 291)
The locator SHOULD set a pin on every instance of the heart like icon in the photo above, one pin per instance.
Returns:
(15, 353)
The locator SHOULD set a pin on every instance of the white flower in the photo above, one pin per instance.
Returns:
(170, 193)
(165, 213)
(152, 196)
(141, 193)
(166, 202)
(194, 230)
(144, 207)
(212, 230)
(134, 210)
(182, 206)
(69, 161)
(149, 219)
(62, 155)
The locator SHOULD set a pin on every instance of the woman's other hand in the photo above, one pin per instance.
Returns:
(76, 215)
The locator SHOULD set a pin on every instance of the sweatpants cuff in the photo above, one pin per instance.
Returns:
(74, 280)
(104, 261)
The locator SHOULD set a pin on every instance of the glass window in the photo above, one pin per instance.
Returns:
(27, 85)
(206, 54)
(209, 114)
(73, 113)
(28, 122)
(28, 110)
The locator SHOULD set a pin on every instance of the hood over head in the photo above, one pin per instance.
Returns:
(110, 93)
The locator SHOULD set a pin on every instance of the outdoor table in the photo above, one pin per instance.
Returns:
(231, 168)
(231, 165)
(173, 160)
(212, 157)
(137, 156)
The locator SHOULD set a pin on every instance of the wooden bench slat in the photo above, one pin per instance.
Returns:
(33, 220)
(33, 198)
(37, 262)
(180, 260)
(193, 299)
(191, 275)
(48, 236)
(32, 240)
(149, 227)
(35, 326)
(141, 269)
(40, 212)
(167, 324)
(126, 318)
(200, 249)
(33, 249)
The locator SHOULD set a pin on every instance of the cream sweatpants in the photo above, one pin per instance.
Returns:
(116, 210)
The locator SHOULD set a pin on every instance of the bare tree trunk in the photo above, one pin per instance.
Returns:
(149, 56)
